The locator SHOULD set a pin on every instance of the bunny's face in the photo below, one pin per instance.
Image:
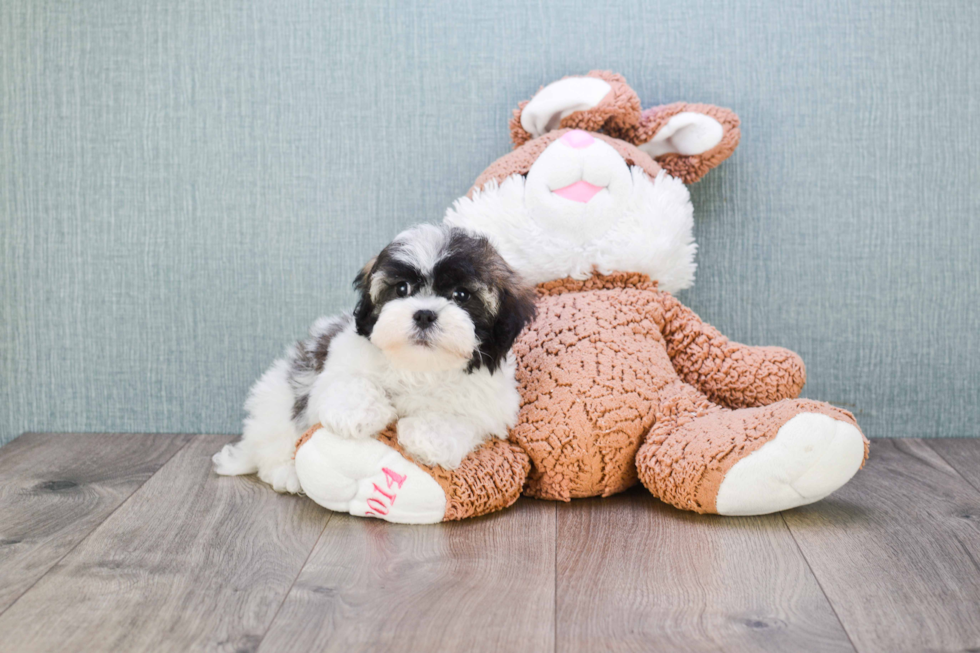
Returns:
(596, 185)
(579, 187)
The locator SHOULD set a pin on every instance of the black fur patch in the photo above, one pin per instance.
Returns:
(299, 406)
(471, 262)
(465, 261)
(310, 357)
(517, 310)
(395, 271)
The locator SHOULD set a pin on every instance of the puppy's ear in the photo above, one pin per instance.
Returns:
(362, 282)
(515, 311)
(364, 317)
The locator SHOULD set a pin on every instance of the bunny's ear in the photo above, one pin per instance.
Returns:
(687, 140)
(594, 102)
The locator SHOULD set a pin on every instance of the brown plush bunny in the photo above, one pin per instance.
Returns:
(619, 380)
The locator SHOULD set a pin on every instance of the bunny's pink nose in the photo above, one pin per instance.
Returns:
(577, 139)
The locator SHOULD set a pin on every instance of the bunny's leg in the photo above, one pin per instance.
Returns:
(749, 461)
(374, 478)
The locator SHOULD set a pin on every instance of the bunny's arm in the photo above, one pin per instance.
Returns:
(729, 373)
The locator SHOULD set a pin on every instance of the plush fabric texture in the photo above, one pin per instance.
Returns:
(728, 373)
(587, 384)
(303, 439)
(653, 236)
(694, 443)
(619, 381)
(619, 116)
(610, 357)
(488, 479)
(616, 112)
(520, 160)
(689, 169)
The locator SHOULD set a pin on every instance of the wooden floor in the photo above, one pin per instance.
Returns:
(130, 543)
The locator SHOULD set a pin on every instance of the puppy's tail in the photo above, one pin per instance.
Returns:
(234, 460)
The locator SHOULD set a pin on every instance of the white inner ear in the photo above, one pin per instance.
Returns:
(559, 99)
(686, 133)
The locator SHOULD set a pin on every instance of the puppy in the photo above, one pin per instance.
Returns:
(428, 345)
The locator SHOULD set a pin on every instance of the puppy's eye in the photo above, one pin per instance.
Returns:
(403, 289)
(460, 295)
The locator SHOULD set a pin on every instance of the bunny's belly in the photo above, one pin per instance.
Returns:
(590, 371)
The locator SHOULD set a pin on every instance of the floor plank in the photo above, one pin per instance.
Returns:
(56, 488)
(485, 584)
(637, 575)
(962, 454)
(897, 551)
(186, 560)
(191, 561)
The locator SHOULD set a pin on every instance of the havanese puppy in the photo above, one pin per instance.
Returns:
(428, 346)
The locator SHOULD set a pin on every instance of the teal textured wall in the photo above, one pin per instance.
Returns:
(186, 185)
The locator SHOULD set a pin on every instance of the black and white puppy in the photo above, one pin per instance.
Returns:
(428, 345)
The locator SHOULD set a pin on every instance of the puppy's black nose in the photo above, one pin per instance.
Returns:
(424, 319)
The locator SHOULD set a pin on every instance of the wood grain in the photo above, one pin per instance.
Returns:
(485, 584)
(962, 454)
(637, 575)
(897, 551)
(191, 561)
(56, 488)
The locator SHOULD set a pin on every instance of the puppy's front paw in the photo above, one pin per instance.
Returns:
(432, 441)
(357, 410)
(357, 423)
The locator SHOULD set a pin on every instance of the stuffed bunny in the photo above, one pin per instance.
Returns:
(619, 381)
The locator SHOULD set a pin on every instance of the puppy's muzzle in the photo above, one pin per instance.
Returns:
(424, 319)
